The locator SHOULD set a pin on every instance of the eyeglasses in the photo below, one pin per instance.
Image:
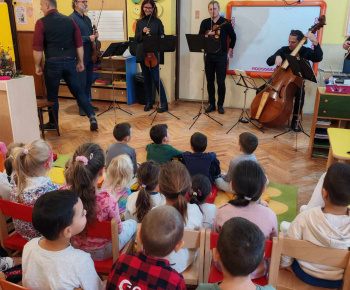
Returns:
(84, 2)
(148, 8)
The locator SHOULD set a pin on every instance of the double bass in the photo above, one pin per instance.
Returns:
(274, 104)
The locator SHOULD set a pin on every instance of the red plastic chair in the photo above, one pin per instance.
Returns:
(109, 230)
(212, 274)
(5, 285)
(18, 211)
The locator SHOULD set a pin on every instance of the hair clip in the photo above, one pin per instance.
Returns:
(247, 198)
(82, 159)
(199, 192)
(194, 193)
(25, 151)
(144, 185)
(91, 156)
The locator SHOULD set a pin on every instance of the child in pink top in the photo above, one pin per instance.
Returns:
(82, 177)
(248, 182)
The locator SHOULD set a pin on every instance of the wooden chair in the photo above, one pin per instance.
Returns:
(211, 273)
(193, 275)
(5, 285)
(18, 211)
(109, 230)
(46, 106)
(282, 279)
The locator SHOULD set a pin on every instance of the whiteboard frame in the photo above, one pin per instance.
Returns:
(321, 4)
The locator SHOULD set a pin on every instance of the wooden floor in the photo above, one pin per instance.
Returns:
(282, 163)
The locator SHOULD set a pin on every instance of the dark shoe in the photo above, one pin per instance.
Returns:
(210, 108)
(163, 108)
(148, 107)
(81, 112)
(221, 110)
(295, 126)
(49, 127)
(95, 108)
(93, 124)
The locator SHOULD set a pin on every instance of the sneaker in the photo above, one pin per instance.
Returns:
(221, 110)
(49, 127)
(93, 124)
(284, 226)
(210, 108)
(303, 207)
(81, 112)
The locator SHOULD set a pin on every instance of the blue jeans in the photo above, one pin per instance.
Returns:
(216, 63)
(57, 68)
(152, 74)
(86, 78)
(317, 282)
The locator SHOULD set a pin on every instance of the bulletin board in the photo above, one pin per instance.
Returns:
(24, 14)
(6, 35)
(262, 27)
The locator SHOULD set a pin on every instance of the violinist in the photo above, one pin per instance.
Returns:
(150, 24)
(314, 55)
(84, 23)
(217, 62)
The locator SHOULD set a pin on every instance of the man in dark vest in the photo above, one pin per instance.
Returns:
(87, 34)
(59, 37)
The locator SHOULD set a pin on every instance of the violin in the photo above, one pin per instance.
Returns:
(96, 48)
(150, 59)
(274, 104)
(216, 28)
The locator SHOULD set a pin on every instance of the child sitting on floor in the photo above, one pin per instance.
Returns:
(31, 163)
(141, 202)
(240, 250)
(122, 133)
(201, 188)
(248, 181)
(248, 143)
(160, 151)
(174, 184)
(148, 269)
(199, 162)
(118, 176)
(327, 226)
(51, 262)
(82, 177)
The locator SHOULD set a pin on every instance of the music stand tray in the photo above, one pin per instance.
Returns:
(203, 44)
(158, 44)
(115, 49)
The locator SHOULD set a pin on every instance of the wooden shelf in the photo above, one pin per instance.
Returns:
(110, 72)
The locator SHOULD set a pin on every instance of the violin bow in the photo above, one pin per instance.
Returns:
(149, 19)
(99, 15)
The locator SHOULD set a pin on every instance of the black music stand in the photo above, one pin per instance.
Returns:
(249, 84)
(203, 44)
(301, 68)
(112, 50)
(159, 44)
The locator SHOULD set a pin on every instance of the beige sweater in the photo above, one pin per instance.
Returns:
(325, 230)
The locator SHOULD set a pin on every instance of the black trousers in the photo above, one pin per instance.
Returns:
(216, 63)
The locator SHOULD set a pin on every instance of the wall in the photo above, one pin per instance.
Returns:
(191, 64)
(168, 17)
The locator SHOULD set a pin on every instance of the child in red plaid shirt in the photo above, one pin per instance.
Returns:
(161, 232)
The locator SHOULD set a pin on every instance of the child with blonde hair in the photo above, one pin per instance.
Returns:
(85, 170)
(174, 183)
(141, 202)
(118, 176)
(31, 163)
(6, 177)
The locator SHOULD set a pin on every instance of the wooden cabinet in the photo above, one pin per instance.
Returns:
(117, 75)
(334, 109)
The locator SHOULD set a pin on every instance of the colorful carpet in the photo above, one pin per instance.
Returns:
(61, 160)
(283, 201)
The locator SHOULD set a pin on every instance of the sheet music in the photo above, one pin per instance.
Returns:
(111, 25)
